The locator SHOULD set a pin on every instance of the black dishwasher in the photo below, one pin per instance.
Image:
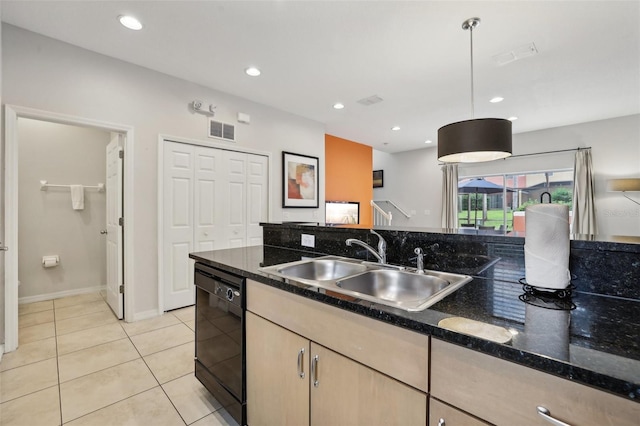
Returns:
(220, 337)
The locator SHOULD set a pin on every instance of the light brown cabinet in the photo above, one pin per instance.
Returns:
(277, 393)
(441, 414)
(505, 393)
(292, 379)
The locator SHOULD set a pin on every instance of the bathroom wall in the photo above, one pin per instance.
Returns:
(48, 225)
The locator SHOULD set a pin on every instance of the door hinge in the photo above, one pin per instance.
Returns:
(121, 289)
(121, 221)
(121, 153)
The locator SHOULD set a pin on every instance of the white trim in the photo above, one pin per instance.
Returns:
(152, 313)
(1, 351)
(59, 294)
(12, 113)
(211, 144)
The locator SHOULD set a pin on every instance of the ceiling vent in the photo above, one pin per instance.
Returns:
(220, 130)
(515, 54)
(370, 100)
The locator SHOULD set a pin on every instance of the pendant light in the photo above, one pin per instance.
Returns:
(478, 139)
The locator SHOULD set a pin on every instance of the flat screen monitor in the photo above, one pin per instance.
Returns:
(342, 212)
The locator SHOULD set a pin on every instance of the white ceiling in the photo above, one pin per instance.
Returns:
(414, 55)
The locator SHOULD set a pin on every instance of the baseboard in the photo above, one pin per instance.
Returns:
(145, 315)
(59, 294)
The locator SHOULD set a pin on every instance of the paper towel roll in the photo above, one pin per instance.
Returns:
(546, 248)
(50, 261)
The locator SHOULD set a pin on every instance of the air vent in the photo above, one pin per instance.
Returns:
(370, 100)
(220, 130)
(515, 54)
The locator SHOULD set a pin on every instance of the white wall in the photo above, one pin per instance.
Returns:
(47, 74)
(413, 181)
(48, 225)
(615, 147)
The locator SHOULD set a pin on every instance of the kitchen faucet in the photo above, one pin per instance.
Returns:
(381, 254)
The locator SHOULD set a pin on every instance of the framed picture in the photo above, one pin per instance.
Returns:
(378, 178)
(300, 177)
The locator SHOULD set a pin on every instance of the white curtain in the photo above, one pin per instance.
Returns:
(450, 196)
(584, 210)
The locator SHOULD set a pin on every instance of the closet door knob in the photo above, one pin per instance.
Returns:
(104, 231)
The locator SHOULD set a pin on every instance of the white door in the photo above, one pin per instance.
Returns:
(257, 197)
(178, 226)
(233, 200)
(115, 297)
(208, 185)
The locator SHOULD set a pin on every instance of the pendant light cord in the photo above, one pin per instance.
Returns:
(473, 111)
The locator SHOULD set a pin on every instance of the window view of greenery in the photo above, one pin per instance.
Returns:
(498, 202)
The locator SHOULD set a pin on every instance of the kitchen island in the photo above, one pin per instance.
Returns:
(598, 349)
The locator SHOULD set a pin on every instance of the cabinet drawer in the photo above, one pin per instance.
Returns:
(441, 414)
(505, 393)
(397, 352)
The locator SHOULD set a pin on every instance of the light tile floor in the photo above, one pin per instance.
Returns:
(78, 365)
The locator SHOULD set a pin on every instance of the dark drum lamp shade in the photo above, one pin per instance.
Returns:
(473, 141)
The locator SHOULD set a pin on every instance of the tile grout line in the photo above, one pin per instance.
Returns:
(155, 378)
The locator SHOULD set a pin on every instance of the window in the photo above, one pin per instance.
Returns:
(497, 202)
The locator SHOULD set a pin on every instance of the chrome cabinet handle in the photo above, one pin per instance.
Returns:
(3, 248)
(314, 371)
(441, 422)
(300, 367)
(546, 414)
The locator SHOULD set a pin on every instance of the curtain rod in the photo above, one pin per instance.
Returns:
(548, 152)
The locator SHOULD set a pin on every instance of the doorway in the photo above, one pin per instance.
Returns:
(124, 135)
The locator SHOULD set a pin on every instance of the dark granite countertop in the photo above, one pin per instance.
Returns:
(596, 344)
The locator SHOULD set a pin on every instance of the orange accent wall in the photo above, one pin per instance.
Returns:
(349, 174)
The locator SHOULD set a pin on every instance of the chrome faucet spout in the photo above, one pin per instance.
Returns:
(381, 254)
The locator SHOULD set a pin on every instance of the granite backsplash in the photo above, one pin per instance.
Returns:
(598, 267)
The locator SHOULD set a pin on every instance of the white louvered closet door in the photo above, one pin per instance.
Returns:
(178, 225)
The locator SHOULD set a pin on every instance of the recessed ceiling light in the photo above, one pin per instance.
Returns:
(514, 118)
(252, 71)
(395, 128)
(338, 105)
(130, 22)
(428, 141)
(496, 99)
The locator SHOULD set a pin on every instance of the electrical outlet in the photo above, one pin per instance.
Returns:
(285, 215)
(412, 213)
(427, 212)
(308, 240)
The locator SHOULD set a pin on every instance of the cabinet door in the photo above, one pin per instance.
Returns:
(441, 414)
(277, 392)
(344, 392)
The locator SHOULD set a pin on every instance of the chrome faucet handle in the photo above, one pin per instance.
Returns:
(382, 246)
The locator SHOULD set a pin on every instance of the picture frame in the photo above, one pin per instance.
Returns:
(378, 178)
(300, 180)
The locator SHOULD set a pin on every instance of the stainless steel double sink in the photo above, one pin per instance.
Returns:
(384, 284)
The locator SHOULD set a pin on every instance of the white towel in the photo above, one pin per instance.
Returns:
(77, 197)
